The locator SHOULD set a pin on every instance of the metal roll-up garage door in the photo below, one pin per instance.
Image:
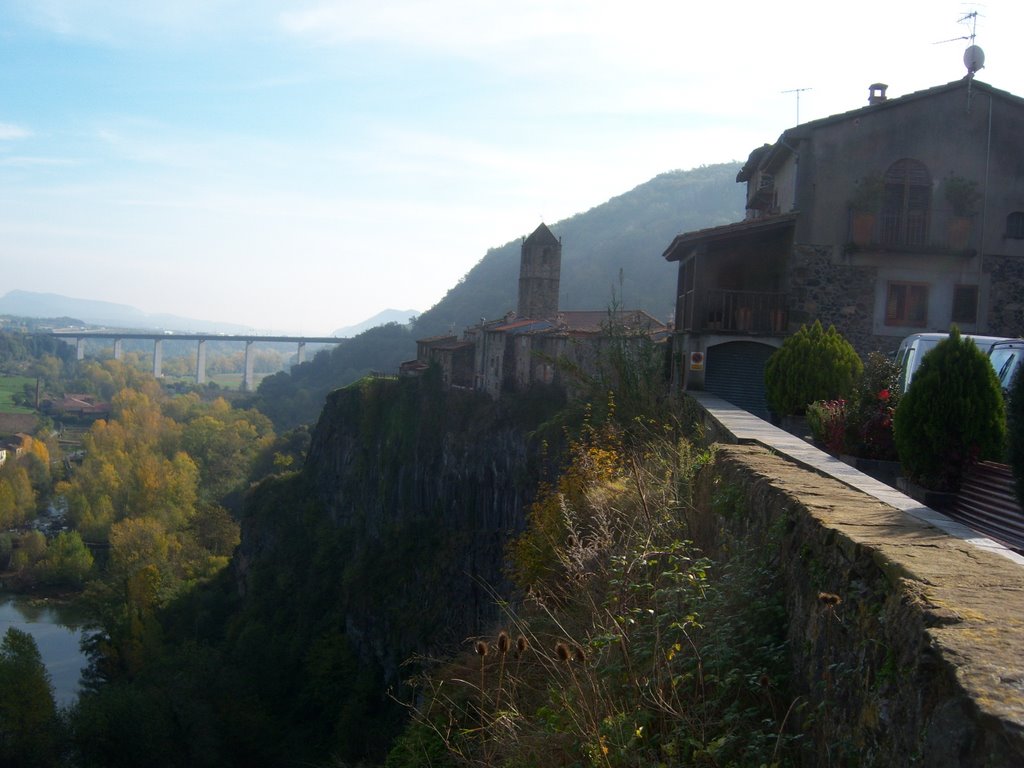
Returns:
(735, 372)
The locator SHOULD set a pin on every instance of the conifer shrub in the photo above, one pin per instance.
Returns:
(951, 416)
(812, 364)
(1015, 424)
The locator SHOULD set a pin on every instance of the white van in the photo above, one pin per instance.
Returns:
(913, 349)
(1005, 357)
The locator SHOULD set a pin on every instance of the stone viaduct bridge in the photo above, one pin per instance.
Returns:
(79, 339)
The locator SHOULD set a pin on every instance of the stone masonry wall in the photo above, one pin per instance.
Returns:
(905, 642)
(1006, 312)
(821, 287)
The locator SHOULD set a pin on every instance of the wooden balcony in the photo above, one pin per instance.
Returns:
(746, 312)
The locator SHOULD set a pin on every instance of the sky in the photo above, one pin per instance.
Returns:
(295, 167)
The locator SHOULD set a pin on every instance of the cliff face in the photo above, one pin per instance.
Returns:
(399, 519)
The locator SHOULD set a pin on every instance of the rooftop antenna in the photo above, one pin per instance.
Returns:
(798, 91)
(974, 57)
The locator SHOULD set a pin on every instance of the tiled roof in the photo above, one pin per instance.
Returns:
(976, 86)
(453, 346)
(596, 320)
(521, 326)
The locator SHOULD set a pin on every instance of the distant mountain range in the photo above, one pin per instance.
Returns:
(400, 316)
(105, 313)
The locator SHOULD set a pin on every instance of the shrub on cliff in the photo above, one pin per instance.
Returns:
(1015, 419)
(951, 416)
(812, 364)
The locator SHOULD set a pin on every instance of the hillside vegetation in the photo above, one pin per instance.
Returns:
(616, 245)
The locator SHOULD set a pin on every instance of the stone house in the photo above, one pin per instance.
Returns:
(905, 215)
(539, 342)
(452, 356)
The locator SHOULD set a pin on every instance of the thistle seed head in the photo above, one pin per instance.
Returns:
(562, 651)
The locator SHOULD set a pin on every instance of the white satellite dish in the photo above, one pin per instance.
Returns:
(974, 59)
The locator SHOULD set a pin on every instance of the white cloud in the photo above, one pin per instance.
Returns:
(9, 132)
(142, 22)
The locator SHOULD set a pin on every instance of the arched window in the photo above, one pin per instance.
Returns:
(905, 203)
(1015, 225)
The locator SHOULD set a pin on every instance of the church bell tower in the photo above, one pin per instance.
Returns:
(540, 269)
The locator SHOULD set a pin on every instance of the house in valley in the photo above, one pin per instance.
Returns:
(905, 215)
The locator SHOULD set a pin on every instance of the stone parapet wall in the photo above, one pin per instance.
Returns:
(906, 643)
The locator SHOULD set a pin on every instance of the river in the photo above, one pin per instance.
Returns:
(57, 629)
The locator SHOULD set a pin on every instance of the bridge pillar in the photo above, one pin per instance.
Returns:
(201, 362)
(158, 358)
(300, 356)
(118, 349)
(80, 349)
(250, 360)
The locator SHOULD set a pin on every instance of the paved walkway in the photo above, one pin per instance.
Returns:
(747, 428)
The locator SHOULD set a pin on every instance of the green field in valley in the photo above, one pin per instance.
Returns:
(9, 386)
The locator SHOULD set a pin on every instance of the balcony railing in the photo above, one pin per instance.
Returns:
(931, 230)
(753, 312)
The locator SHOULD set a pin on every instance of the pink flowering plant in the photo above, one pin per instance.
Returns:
(861, 425)
(870, 414)
(827, 420)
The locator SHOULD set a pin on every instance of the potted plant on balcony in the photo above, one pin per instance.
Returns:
(865, 203)
(963, 199)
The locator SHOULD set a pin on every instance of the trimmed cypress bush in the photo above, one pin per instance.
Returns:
(812, 364)
(1015, 424)
(951, 416)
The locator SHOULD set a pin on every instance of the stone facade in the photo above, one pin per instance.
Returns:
(1006, 299)
(824, 284)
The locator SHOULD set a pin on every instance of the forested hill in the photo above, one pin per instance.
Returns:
(627, 233)
(620, 239)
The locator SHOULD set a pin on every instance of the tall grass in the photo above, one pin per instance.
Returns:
(633, 648)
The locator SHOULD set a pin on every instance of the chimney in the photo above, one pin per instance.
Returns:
(876, 93)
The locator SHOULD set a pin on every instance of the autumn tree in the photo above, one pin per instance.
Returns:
(66, 561)
(17, 497)
(224, 442)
